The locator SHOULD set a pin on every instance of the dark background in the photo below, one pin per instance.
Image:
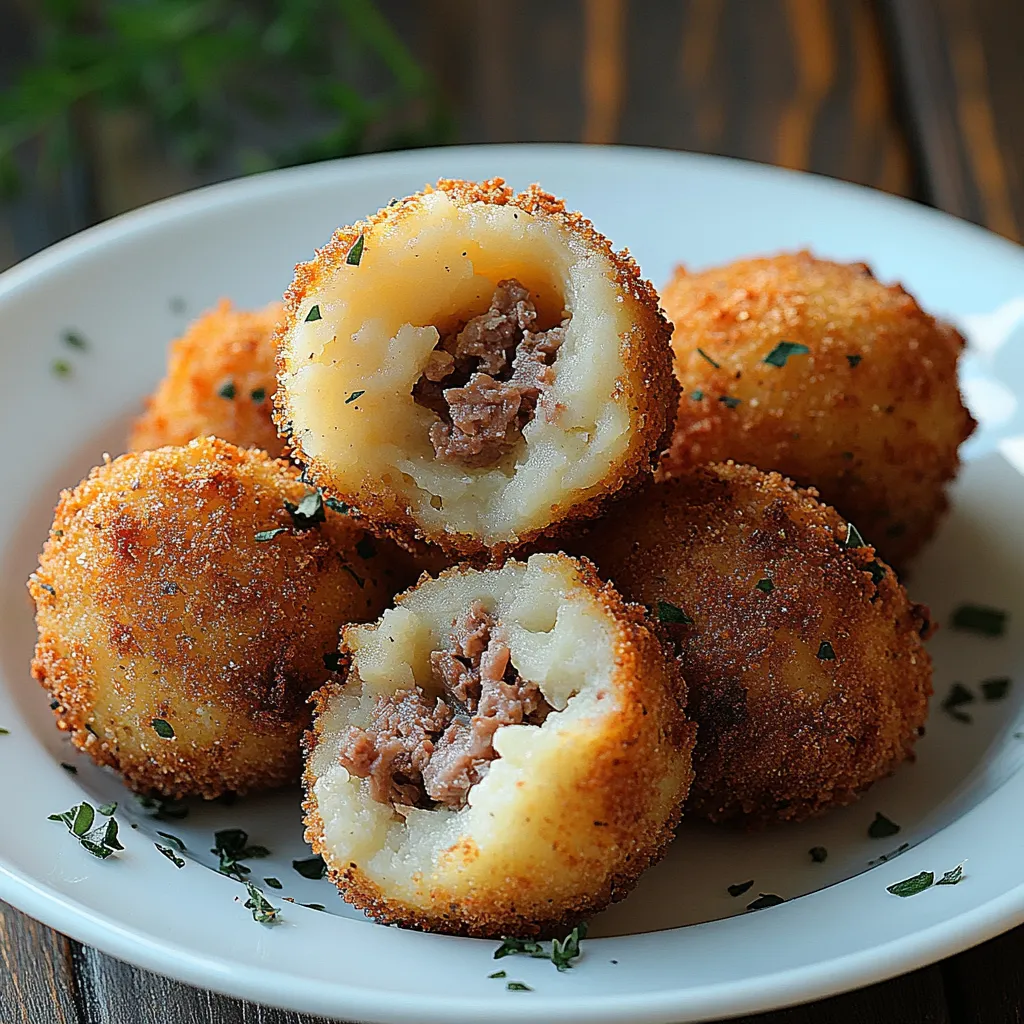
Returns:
(921, 98)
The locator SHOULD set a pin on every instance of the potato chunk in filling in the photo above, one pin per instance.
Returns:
(424, 752)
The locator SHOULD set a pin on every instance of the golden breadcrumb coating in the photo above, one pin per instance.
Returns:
(570, 813)
(363, 318)
(871, 415)
(155, 600)
(221, 378)
(805, 663)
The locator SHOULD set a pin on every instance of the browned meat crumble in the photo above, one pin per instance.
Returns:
(424, 751)
(484, 380)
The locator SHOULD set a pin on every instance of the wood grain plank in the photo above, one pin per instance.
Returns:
(985, 985)
(36, 981)
(113, 992)
(962, 87)
(801, 83)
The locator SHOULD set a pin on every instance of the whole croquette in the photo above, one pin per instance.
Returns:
(505, 756)
(188, 601)
(818, 371)
(220, 380)
(803, 657)
(474, 367)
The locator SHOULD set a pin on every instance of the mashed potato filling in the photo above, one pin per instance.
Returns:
(367, 337)
(560, 648)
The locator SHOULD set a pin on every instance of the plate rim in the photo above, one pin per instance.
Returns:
(759, 992)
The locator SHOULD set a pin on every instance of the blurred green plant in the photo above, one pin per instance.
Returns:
(331, 75)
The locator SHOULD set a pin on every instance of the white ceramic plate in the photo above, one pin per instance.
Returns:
(680, 948)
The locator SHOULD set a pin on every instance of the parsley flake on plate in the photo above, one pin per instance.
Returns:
(562, 952)
(826, 652)
(518, 986)
(162, 808)
(69, 768)
(853, 360)
(258, 394)
(227, 390)
(99, 840)
(958, 696)
(4, 732)
(995, 689)
(172, 839)
(313, 314)
(952, 877)
(60, 368)
(311, 867)
(354, 396)
(765, 900)
(972, 618)
(232, 847)
(178, 862)
(853, 537)
(262, 911)
(913, 885)
(740, 888)
(274, 883)
(882, 827)
(781, 353)
(818, 854)
(765, 585)
(74, 340)
(497, 974)
(891, 855)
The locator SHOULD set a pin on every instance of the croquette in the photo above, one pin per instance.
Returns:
(506, 754)
(818, 371)
(188, 601)
(803, 657)
(474, 367)
(221, 378)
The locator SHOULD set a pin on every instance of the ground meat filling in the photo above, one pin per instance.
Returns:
(484, 381)
(429, 752)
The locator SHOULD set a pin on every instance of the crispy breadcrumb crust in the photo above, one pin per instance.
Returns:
(644, 745)
(223, 346)
(871, 416)
(154, 600)
(783, 732)
(645, 352)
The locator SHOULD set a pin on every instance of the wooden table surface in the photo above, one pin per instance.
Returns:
(921, 98)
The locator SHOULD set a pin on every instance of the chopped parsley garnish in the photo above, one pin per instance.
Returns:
(69, 768)
(995, 689)
(74, 340)
(704, 355)
(954, 877)
(311, 867)
(355, 394)
(729, 402)
(853, 360)
(265, 535)
(891, 855)
(163, 808)
(99, 840)
(882, 827)
(782, 352)
(107, 809)
(877, 571)
(274, 883)
(178, 862)
(517, 986)
(355, 254)
(740, 888)
(60, 367)
(54, 705)
(853, 537)
(49, 588)
(826, 652)
(818, 854)
(313, 314)
(668, 612)
(313, 906)
(561, 954)
(232, 846)
(227, 390)
(957, 696)
(765, 900)
(308, 513)
(163, 729)
(262, 911)
(498, 974)
(336, 506)
(977, 619)
(913, 885)
(765, 585)
(4, 732)
(172, 839)
(697, 395)
(258, 394)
